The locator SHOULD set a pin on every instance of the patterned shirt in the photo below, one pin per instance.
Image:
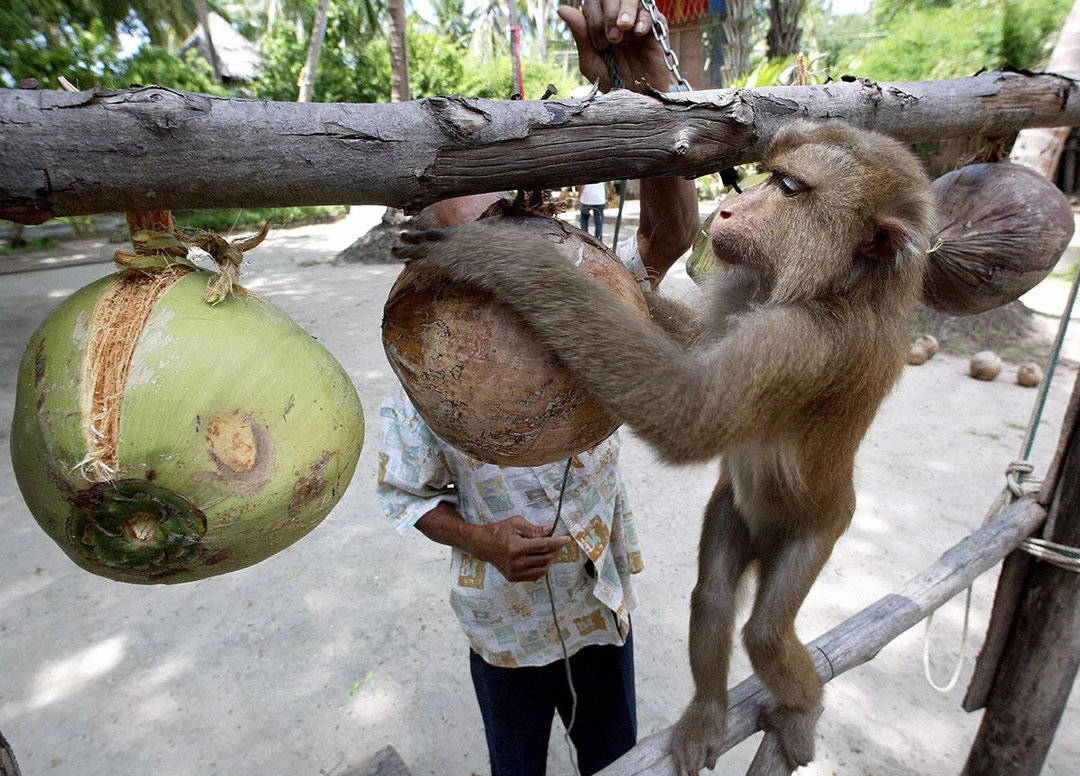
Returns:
(510, 623)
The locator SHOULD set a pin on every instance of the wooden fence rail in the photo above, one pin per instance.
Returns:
(859, 638)
(150, 148)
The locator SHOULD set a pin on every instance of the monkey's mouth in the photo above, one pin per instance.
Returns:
(729, 249)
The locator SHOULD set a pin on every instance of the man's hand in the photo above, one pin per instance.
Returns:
(625, 27)
(520, 550)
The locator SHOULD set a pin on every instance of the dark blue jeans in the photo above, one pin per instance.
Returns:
(518, 705)
(598, 220)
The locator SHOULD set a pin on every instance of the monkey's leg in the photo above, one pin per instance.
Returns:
(789, 566)
(722, 559)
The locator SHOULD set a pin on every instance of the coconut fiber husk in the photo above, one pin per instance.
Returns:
(1001, 229)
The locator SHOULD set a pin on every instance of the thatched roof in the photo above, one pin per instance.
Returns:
(238, 58)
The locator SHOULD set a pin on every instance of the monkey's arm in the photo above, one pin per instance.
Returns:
(679, 321)
(690, 405)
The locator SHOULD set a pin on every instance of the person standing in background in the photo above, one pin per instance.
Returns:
(593, 200)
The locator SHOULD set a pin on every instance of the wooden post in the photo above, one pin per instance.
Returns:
(1041, 655)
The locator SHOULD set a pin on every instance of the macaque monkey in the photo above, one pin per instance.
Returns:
(779, 376)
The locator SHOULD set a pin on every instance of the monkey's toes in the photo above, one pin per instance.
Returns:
(795, 729)
(698, 738)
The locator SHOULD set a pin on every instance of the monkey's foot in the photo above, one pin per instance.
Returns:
(698, 737)
(795, 729)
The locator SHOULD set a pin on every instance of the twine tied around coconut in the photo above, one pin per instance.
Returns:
(160, 250)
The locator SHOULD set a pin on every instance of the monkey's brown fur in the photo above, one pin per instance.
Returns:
(780, 376)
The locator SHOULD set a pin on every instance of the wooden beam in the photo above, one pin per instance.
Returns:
(150, 148)
(859, 638)
(1039, 662)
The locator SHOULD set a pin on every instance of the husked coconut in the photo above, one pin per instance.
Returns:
(1001, 229)
(985, 365)
(478, 376)
(1029, 374)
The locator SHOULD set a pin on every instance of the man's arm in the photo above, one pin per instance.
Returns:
(669, 209)
(520, 550)
(668, 223)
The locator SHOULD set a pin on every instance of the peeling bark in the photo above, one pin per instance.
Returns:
(150, 148)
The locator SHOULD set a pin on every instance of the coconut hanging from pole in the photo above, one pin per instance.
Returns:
(475, 372)
(169, 425)
(1001, 229)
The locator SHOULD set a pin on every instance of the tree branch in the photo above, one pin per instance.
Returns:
(150, 148)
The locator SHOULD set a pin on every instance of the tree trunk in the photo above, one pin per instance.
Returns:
(309, 71)
(204, 20)
(62, 148)
(1040, 148)
(271, 17)
(784, 35)
(738, 27)
(399, 51)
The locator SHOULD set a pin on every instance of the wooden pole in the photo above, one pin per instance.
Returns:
(1039, 661)
(859, 638)
(149, 148)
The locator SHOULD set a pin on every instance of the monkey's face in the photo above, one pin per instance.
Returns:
(839, 205)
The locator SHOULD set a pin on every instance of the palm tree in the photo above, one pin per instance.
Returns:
(738, 28)
(784, 34)
(306, 80)
(399, 51)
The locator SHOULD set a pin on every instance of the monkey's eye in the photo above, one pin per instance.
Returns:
(789, 186)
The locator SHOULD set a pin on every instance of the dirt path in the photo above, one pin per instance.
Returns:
(345, 642)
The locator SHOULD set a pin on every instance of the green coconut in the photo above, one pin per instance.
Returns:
(160, 439)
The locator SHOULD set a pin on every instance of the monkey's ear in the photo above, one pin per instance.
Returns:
(893, 239)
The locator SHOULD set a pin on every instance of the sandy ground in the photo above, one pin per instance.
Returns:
(345, 642)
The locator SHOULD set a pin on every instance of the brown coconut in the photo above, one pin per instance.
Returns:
(985, 365)
(1029, 374)
(922, 349)
(476, 373)
(1001, 229)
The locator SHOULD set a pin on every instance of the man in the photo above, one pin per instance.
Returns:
(527, 590)
(592, 201)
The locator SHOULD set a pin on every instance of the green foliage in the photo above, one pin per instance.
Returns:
(33, 244)
(85, 57)
(930, 39)
(156, 65)
(254, 218)
(491, 78)
(1029, 26)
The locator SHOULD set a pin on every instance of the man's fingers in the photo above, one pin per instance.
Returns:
(589, 60)
(547, 544)
(594, 17)
(644, 22)
(619, 17)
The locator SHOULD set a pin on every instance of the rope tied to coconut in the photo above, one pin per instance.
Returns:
(157, 250)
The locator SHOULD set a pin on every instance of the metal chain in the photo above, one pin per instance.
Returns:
(659, 31)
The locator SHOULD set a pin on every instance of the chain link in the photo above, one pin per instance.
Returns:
(659, 31)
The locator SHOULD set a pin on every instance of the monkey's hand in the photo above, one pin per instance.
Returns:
(698, 737)
(498, 258)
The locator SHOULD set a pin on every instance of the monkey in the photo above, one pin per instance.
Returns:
(778, 376)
